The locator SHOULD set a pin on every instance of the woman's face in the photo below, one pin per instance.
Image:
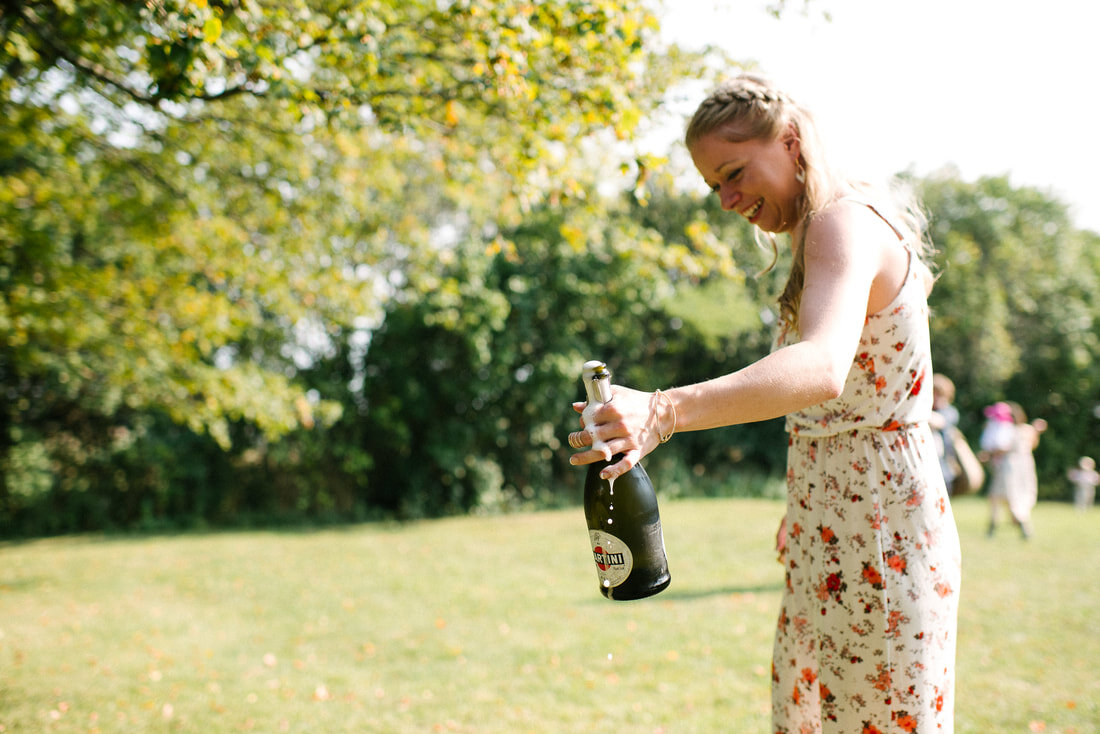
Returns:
(755, 178)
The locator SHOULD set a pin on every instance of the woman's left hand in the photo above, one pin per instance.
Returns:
(626, 425)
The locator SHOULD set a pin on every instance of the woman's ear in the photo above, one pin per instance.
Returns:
(792, 141)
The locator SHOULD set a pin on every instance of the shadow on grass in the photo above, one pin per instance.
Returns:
(689, 594)
(674, 594)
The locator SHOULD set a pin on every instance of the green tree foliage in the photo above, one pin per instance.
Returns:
(200, 199)
(1015, 311)
(476, 417)
(310, 259)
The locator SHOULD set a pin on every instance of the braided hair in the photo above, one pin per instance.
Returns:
(750, 107)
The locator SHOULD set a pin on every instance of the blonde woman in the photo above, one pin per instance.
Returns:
(866, 634)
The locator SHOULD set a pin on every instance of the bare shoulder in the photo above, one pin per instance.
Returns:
(855, 238)
(846, 228)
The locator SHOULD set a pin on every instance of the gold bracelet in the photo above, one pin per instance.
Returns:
(665, 437)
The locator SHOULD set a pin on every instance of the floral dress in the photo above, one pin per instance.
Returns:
(865, 642)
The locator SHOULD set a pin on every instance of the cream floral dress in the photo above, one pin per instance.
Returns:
(865, 642)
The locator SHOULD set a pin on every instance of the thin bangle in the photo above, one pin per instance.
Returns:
(665, 436)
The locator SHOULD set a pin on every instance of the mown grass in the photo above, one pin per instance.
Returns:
(494, 625)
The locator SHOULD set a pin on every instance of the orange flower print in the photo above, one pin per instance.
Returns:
(861, 630)
(881, 681)
(943, 589)
(906, 721)
(869, 728)
(827, 695)
(872, 576)
(917, 384)
(896, 562)
(880, 383)
(827, 534)
(894, 622)
(809, 675)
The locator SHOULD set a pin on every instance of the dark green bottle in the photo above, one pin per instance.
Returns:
(624, 525)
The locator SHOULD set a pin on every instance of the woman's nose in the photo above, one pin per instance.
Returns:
(728, 198)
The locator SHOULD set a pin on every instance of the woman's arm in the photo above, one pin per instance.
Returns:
(843, 261)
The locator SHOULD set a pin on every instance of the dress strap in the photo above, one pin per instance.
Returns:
(867, 203)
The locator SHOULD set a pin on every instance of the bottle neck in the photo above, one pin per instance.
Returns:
(597, 382)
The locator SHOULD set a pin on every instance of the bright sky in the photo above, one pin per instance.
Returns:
(992, 87)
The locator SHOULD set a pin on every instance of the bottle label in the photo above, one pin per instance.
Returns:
(613, 558)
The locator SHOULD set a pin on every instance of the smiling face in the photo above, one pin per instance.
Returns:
(755, 178)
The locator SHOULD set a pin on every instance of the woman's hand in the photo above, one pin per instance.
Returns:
(781, 541)
(627, 425)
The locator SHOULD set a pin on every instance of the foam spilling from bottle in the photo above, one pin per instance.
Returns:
(597, 444)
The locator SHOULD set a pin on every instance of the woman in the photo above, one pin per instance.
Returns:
(866, 634)
(1008, 441)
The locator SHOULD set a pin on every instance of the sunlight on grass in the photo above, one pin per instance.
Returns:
(493, 625)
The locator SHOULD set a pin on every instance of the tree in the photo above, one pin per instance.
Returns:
(200, 199)
(1015, 310)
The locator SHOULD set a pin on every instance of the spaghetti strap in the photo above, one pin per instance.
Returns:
(879, 214)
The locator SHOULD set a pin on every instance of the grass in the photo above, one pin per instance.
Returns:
(494, 625)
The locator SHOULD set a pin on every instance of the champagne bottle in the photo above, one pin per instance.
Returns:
(624, 525)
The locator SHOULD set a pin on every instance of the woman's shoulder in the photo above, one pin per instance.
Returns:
(855, 230)
(849, 223)
(853, 212)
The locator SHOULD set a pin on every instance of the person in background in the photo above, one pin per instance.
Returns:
(866, 634)
(944, 422)
(1084, 478)
(1007, 442)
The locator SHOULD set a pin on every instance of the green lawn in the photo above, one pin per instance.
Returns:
(494, 625)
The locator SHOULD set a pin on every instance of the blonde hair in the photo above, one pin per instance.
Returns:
(942, 385)
(750, 107)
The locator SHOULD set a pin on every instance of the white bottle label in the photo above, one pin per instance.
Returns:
(613, 558)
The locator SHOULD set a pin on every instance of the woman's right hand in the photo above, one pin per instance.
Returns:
(627, 425)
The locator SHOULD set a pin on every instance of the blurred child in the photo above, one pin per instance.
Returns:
(1085, 478)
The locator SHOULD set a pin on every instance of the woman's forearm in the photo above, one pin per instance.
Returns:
(785, 381)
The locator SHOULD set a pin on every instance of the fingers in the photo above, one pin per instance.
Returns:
(579, 439)
(598, 450)
(629, 461)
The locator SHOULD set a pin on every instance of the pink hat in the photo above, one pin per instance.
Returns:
(999, 412)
